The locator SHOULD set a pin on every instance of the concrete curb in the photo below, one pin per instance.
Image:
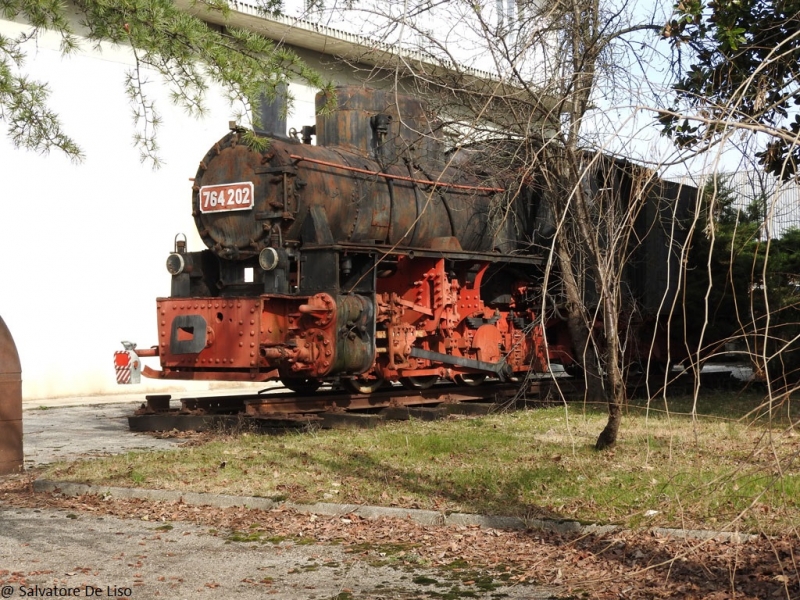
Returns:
(423, 517)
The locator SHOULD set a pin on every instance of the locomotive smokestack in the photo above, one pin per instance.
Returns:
(273, 112)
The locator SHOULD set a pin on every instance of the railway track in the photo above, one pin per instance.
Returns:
(335, 408)
(331, 408)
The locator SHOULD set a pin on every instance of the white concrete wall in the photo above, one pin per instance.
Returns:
(83, 247)
(478, 35)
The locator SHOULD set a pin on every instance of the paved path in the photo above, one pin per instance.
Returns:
(147, 560)
(52, 433)
(103, 556)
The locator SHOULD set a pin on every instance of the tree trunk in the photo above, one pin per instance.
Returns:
(604, 263)
(608, 437)
(578, 328)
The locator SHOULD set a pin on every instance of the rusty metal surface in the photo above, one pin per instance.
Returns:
(381, 210)
(376, 256)
(10, 404)
(345, 401)
(286, 409)
(426, 182)
(391, 190)
(236, 319)
(300, 336)
(287, 289)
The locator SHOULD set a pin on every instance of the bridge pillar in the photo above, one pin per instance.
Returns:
(10, 404)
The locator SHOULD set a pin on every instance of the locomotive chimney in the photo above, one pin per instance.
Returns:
(273, 112)
(347, 125)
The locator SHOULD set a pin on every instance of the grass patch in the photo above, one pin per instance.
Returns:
(259, 535)
(682, 464)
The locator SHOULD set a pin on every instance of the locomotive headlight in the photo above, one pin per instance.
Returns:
(268, 259)
(175, 264)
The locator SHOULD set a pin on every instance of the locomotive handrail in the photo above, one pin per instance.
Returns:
(400, 177)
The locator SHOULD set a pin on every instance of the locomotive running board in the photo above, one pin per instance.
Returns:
(501, 369)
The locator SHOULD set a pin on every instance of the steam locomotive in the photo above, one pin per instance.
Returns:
(374, 256)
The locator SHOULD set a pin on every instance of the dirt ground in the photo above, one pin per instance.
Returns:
(143, 549)
(108, 556)
(174, 550)
(53, 432)
(101, 548)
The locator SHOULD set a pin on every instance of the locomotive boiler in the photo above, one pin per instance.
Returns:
(373, 256)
